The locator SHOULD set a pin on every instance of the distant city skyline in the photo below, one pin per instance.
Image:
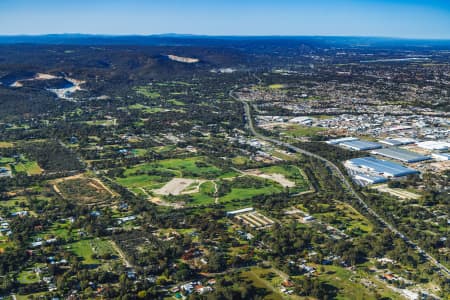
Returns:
(384, 18)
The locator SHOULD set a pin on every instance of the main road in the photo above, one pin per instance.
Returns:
(338, 173)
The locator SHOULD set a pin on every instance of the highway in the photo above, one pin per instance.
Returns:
(338, 173)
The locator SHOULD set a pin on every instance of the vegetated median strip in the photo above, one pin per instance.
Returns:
(335, 169)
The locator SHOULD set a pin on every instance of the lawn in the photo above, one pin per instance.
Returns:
(242, 194)
(276, 86)
(240, 160)
(6, 160)
(83, 249)
(103, 247)
(109, 122)
(346, 218)
(142, 179)
(137, 178)
(236, 197)
(176, 102)
(192, 167)
(59, 230)
(139, 152)
(28, 276)
(29, 167)
(145, 108)
(147, 91)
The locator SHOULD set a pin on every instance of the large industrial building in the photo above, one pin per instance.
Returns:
(369, 170)
(401, 155)
(441, 156)
(397, 141)
(360, 145)
(432, 145)
(341, 140)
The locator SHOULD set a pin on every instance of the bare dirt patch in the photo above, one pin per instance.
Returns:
(279, 178)
(179, 186)
(400, 193)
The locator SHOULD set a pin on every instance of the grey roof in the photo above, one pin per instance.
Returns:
(392, 142)
(361, 145)
(384, 167)
(370, 178)
(400, 154)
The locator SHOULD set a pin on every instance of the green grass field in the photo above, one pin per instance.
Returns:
(6, 160)
(276, 86)
(29, 167)
(176, 102)
(101, 122)
(150, 176)
(350, 288)
(28, 276)
(147, 91)
(345, 218)
(267, 281)
(59, 230)
(292, 173)
(144, 108)
(242, 194)
(192, 167)
(83, 249)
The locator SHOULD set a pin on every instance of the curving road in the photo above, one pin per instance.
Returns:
(338, 173)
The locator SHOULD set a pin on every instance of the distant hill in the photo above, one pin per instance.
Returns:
(172, 39)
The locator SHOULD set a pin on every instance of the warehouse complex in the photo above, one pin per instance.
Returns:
(380, 167)
(397, 141)
(401, 155)
(369, 170)
(360, 145)
(372, 170)
(341, 140)
(432, 145)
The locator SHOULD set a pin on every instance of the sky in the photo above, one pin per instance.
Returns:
(401, 18)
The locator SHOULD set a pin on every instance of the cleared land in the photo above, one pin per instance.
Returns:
(400, 193)
(144, 178)
(178, 186)
(280, 178)
(6, 145)
(29, 167)
(83, 190)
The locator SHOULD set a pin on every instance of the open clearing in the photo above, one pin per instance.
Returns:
(29, 167)
(177, 185)
(82, 189)
(6, 145)
(280, 178)
(153, 176)
(400, 193)
(287, 176)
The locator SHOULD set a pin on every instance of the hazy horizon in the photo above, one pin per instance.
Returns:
(390, 19)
